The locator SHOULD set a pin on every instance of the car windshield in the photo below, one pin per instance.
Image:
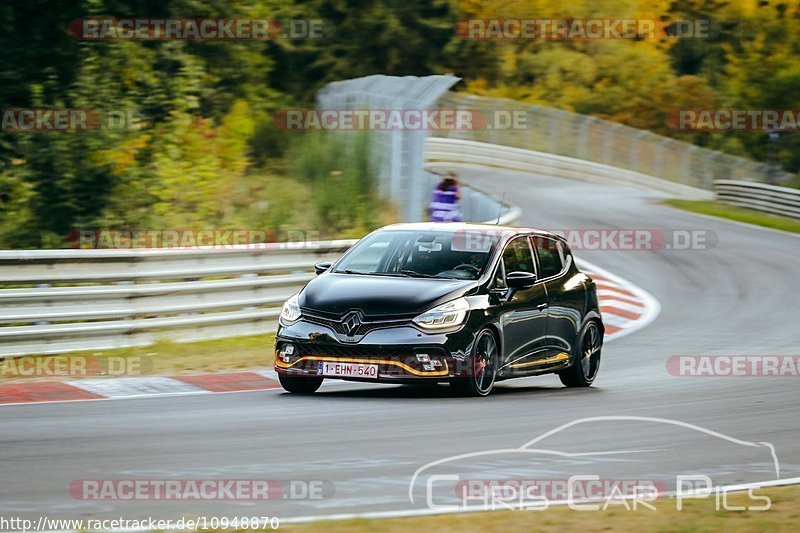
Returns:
(423, 254)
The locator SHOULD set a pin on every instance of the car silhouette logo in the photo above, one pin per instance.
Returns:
(351, 323)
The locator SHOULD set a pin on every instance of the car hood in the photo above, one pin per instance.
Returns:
(379, 295)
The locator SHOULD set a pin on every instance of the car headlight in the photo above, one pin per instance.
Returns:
(290, 312)
(446, 316)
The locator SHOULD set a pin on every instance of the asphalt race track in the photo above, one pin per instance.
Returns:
(366, 442)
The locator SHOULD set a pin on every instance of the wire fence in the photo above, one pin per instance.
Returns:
(589, 138)
(399, 153)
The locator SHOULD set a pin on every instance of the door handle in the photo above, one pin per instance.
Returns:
(541, 306)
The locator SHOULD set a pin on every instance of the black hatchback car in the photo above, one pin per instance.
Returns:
(467, 304)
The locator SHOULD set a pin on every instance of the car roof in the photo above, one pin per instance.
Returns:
(466, 226)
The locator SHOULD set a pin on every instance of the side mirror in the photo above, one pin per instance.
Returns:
(321, 267)
(520, 280)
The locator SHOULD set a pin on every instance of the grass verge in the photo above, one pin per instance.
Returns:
(697, 515)
(162, 358)
(740, 214)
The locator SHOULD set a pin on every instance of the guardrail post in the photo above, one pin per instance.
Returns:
(552, 138)
(737, 173)
(42, 286)
(530, 135)
(583, 136)
(635, 149)
(659, 160)
(608, 148)
(686, 165)
(708, 171)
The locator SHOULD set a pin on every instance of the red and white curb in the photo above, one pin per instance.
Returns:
(625, 308)
(136, 387)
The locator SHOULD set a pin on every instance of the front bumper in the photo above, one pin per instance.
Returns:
(403, 354)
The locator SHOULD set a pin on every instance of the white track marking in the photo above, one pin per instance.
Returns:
(624, 306)
(617, 321)
(135, 387)
(604, 294)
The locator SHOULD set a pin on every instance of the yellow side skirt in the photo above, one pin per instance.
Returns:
(555, 359)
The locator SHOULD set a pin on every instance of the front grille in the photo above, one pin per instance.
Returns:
(337, 325)
(359, 351)
(368, 354)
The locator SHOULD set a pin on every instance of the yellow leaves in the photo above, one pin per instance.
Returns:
(194, 167)
(508, 61)
(747, 7)
(477, 86)
(579, 9)
(236, 129)
(123, 157)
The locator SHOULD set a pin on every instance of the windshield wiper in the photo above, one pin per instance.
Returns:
(415, 274)
(359, 272)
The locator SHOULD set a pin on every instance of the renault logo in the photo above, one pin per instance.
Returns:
(351, 322)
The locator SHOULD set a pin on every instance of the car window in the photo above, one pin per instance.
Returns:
(369, 259)
(551, 256)
(562, 252)
(499, 276)
(440, 254)
(517, 256)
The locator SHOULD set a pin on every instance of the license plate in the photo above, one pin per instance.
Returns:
(347, 370)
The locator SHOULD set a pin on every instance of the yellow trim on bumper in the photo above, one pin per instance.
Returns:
(555, 359)
(426, 373)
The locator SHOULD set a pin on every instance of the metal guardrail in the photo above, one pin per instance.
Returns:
(569, 138)
(593, 139)
(759, 196)
(68, 300)
(101, 299)
(454, 152)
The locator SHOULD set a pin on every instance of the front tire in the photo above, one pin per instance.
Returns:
(586, 360)
(300, 384)
(482, 367)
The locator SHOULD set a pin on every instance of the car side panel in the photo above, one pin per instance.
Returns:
(567, 307)
(523, 325)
